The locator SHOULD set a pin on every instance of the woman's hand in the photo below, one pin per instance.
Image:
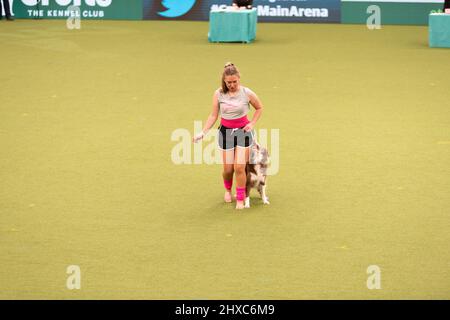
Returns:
(248, 127)
(198, 137)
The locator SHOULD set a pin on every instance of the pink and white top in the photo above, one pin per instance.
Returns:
(234, 109)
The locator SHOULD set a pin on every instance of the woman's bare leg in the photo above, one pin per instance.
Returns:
(240, 161)
(228, 170)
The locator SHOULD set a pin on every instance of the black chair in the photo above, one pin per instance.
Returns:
(243, 3)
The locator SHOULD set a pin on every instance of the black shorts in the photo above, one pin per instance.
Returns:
(229, 138)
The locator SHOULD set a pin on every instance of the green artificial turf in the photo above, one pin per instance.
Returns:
(86, 176)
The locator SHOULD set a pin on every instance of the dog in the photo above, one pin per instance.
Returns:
(256, 171)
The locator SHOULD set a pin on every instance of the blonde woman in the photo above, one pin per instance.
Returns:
(232, 101)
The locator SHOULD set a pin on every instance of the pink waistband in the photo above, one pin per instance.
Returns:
(234, 123)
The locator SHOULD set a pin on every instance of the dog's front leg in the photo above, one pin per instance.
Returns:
(247, 192)
(264, 197)
(247, 202)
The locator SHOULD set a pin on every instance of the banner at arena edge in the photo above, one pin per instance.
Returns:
(89, 9)
(322, 11)
(404, 12)
(335, 11)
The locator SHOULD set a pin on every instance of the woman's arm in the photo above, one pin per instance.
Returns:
(256, 103)
(210, 121)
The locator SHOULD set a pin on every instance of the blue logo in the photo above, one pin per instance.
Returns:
(176, 8)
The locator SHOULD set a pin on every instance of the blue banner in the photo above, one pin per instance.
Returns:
(322, 11)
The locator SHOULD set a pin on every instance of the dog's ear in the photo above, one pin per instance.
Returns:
(264, 152)
(264, 156)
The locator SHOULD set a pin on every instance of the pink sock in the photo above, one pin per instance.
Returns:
(240, 194)
(228, 183)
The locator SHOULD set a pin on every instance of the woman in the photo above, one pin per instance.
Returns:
(235, 134)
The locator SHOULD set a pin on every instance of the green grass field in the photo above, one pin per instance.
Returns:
(87, 179)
